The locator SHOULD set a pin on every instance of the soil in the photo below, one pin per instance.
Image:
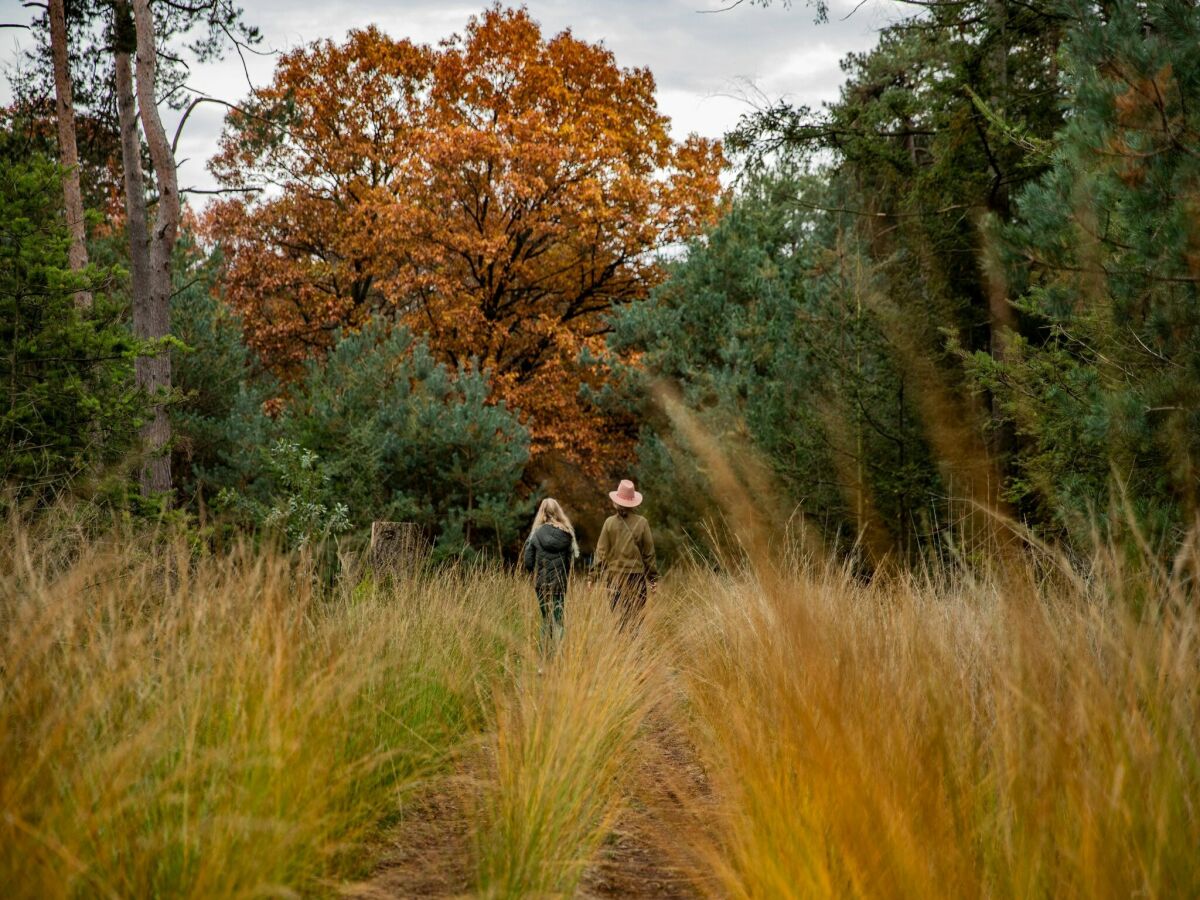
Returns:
(651, 852)
(428, 852)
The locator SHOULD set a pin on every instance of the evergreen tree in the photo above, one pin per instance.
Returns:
(1105, 261)
(403, 437)
(70, 406)
(389, 432)
(219, 423)
(767, 327)
(935, 130)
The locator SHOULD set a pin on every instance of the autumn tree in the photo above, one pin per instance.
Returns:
(501, 193)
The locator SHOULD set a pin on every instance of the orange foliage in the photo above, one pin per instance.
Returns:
(500, 193)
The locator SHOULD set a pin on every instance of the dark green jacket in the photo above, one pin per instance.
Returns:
(548, 555)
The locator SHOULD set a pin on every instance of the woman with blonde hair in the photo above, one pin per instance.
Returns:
(549, 553)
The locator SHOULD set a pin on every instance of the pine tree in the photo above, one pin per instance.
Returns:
(768, 328)
(218, 420)
(397, 434)
(70, 406)
(405, 438)
(1106, 261)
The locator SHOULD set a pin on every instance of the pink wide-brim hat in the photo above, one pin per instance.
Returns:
(625, 495)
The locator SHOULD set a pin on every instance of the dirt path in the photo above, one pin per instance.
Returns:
(647, 854)
(428, 853)
(650, 852)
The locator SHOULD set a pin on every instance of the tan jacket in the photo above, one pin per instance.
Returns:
(626, 547)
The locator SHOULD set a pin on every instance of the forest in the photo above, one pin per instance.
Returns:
(911, 382)
(453, 278)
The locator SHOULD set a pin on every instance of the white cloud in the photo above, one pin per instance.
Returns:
(807, 76)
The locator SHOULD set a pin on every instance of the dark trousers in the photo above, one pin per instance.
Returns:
(551, 604)
(627, 595)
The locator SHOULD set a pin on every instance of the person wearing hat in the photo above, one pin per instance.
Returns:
(625, 554)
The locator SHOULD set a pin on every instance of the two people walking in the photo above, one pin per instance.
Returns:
(624, 559)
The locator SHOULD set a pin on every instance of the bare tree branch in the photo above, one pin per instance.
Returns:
(228, 190)
(858, 6)
(191, 106)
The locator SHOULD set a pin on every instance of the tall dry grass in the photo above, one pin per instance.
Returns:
(1007, 736)
(565, 737)
(180, 727)
(213, 728)
(1020, 727)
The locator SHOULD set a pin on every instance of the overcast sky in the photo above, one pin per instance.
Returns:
(706, 63)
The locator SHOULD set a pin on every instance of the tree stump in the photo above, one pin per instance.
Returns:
(397, 548)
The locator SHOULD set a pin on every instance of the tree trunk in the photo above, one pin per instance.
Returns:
(68, 152)
(149, 370)
(162, 242)
(397, 548)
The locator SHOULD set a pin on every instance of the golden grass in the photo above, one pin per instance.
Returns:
(180, 727)
(1000, 738)
(564, 737)
(214, 729)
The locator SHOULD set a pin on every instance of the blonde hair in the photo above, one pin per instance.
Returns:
(551, 513)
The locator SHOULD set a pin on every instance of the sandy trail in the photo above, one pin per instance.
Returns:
(428, 852)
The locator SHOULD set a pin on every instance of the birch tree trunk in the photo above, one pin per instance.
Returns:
(68, 152)
(153, 373)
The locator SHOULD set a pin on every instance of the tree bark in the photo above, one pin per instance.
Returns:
(68, 152)
(153, 373)
(397, 548)
(156, 312)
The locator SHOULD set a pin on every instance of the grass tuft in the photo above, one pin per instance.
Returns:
(564, 738)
